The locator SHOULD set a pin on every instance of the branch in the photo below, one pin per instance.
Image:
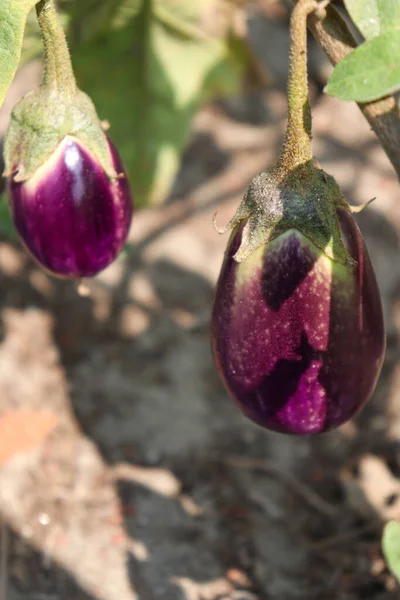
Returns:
(334, 37)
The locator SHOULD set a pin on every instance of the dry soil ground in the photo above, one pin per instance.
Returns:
(151, 485)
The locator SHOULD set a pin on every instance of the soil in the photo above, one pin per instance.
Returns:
(152, 485)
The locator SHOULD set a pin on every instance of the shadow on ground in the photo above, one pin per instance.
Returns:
(201, 503)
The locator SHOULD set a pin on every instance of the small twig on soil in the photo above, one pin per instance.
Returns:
(302, 490)
(3, 560)
(335, 39)
(346, 536)
(158, 480)
(274, 512)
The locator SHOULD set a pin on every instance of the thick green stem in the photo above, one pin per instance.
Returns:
(58, 76)
(297, 149)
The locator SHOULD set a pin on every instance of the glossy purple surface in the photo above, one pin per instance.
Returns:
(70, 216)
(299, 339)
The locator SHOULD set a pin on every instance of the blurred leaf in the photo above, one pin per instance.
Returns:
(391, 547)
(91, 17)
(32, 45)
(365, 14)
(370, 72)
(389, 13)
(6, 223)
(148, 65)
(374, 17)
(148, 78)
(13, 15)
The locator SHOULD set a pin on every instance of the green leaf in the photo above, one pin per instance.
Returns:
(370, 72)
(6, 223)
(148, 65)
(147, 75)
(365, 14)
(374, 17)
(391, 547)
(389, 14)
(13, 15)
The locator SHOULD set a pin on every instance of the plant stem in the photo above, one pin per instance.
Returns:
(297, 149)
(383, 115)
(58, 76)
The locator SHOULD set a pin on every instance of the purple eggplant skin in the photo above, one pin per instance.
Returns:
(70, 216)
(298, 338)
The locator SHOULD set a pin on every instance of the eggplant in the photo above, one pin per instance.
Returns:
(298, 338)
(71, 217)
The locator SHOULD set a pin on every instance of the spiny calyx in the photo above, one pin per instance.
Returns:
(306, 199)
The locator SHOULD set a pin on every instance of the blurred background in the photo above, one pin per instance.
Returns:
(151, 485)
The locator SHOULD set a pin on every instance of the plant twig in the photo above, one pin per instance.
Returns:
(302, 490)
(335, 39)
(347, 536)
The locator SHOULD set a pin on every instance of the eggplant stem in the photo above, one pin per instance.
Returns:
(58, 74)
(297, 148)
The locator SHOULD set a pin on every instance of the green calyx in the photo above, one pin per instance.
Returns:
(305, 200)
(295, 194)
(40, 121)
(44, 117)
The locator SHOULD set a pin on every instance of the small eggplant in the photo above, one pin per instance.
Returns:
(298, 337)
(68, 191)
(71, 217)
(297, 326)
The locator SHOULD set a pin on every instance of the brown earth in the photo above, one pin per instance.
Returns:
(152, 485)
